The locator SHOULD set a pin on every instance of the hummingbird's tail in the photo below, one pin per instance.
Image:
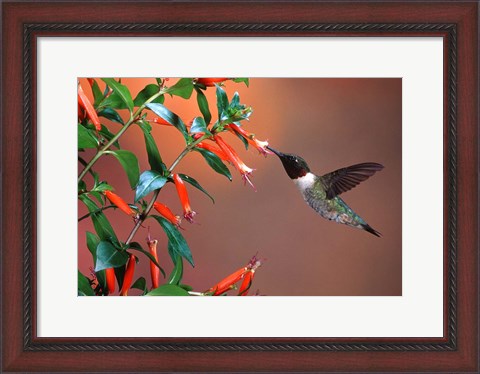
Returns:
(369, 229)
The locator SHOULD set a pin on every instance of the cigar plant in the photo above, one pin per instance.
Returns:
(115, 254)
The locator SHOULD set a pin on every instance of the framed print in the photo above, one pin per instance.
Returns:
(332, 94)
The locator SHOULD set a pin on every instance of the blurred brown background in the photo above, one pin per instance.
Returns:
(331, 123)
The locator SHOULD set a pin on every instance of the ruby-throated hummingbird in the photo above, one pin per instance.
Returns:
(321, 192)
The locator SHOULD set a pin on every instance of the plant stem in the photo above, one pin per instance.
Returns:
(97, 211)
(133, 118)
(145, 214)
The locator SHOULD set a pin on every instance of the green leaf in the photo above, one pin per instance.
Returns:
(203, 105)
(140, 284)
(176, 242)
(199, 126)
(109, 257)
(84, 288)
(168, 290)
(177, 272)
(111, 114)
(154, 158)
(113, 101)
(120, 274)
(149, 181)
(121, 91)
(169, 116)
(97, 94)
(195, 184)
(92, 243)
(136, 246)
(100, 221)
(108, 135)
(222, 101)
(103, 186)
(183, 88)
(244, 80)
(147, 93)
(215, 162)
(97, 195)
(86, 138)
(129, 163)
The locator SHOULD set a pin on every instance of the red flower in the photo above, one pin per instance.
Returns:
(215, 150)
(246, 284)
(167, 213)
(110, 277)
(227, 283)
(87, 105)
(261, 146)
(252, 266)
(128, 277)
(244, 170)
(119, 203)
(210, 82)
(188, 213)
(161, 121)
(154, 270)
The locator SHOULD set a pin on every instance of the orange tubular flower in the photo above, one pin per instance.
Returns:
(215, 150)
(154, 270)
(226, 284)
(261, 146)
(167, 213)
(110, 277)
(128, 277)
(246, 284)
(244, 170)
(161, 121)
(87, 105)
(210, 82)
(188, 213)
(252, 266)
(119, 203)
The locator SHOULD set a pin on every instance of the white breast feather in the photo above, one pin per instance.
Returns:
(304, 182)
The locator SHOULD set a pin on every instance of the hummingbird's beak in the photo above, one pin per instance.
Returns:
(279, 154)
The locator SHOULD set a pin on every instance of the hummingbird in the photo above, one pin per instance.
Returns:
(321, 192)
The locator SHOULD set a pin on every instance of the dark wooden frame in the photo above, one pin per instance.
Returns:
(457, 23)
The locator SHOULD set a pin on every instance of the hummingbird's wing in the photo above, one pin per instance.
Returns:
(345, 179)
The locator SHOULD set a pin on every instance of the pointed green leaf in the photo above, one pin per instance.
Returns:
(147, 93)
(215, 162)
(203, 105)
(195, 184)
(168, 290)
(140, 284)
(182, 88)
(199, 126)
(149, 181)
(92, 243)
(177, 272)
(84, 288)
(86, 138)
(100, 221)
(154, 158)
(222, 102)
(105, 132)
(169, 116)
(244, 80)
(176, 242)
(111, 114)
(97, 94)
(109, 257)
(121, 91)
(129, 163)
